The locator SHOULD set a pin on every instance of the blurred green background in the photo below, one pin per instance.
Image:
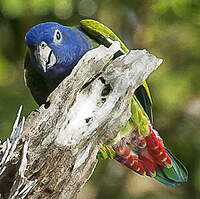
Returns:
(168, 29)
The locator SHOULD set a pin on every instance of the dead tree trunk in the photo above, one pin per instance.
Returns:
(53, 153)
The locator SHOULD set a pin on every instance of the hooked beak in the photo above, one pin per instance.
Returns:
(44, 56)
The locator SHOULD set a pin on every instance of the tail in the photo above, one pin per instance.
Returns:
(147, 155)
(173, 176)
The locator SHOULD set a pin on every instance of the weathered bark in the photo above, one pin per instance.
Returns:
(55, 154)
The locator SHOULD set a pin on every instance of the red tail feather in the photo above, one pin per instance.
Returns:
(142, 154)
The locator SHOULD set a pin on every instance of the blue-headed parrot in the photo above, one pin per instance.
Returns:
(54, 50)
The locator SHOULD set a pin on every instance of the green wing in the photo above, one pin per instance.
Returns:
(35, 81)
(103, 35)
(100, 32)
(140, 107)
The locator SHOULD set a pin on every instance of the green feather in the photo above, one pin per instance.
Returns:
(173, 176)
(140, 107)
(102, 33)
(140, 103)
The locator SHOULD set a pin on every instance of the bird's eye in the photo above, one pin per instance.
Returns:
(57, 36)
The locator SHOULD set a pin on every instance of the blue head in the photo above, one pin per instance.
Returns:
(55, 49)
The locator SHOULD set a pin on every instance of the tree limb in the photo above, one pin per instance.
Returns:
(55, 154)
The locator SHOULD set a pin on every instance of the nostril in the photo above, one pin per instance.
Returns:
(43, 45)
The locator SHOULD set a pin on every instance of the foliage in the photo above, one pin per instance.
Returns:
(168, 29)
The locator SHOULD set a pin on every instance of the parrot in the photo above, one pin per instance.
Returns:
(53, 50)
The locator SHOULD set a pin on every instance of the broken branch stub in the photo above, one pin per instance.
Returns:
(89, 107)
